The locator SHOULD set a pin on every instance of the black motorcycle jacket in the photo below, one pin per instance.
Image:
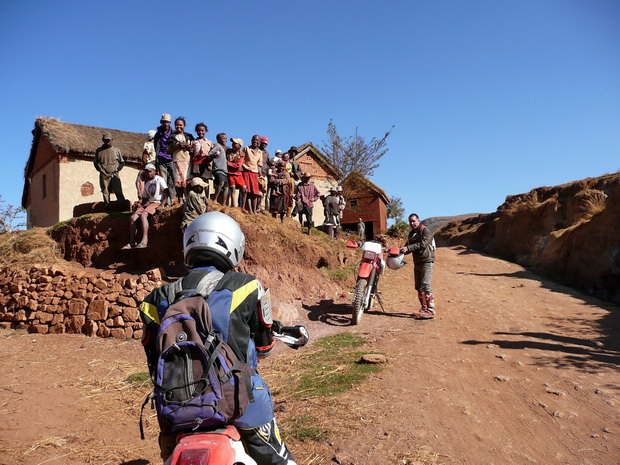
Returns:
(419, 245)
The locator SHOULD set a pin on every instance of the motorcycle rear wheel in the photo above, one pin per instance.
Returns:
(359, 300)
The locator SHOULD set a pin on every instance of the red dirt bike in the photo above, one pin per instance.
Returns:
(369, 271)
(223, 446)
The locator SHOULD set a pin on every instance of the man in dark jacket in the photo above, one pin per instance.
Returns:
(109, 161)
(420, 244)
(164, 163)
(296, 169)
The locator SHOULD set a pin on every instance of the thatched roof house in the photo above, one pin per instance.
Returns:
(60, 174)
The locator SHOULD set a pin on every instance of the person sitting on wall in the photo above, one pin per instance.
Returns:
(154, 197)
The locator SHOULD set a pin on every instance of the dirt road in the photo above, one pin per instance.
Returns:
(514, 370)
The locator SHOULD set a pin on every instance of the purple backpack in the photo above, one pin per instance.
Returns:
(199, 381)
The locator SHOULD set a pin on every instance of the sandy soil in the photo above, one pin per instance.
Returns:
(514, 370)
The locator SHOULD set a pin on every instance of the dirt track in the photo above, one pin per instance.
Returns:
(514, 370)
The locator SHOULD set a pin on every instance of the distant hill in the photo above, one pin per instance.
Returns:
(437, 222)
(568, 232)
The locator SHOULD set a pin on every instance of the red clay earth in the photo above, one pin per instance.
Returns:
(514, 370)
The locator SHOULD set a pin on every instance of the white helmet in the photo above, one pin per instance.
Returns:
(214, 239)
(395, 262)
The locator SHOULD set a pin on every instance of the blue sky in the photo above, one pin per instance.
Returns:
(489, 98)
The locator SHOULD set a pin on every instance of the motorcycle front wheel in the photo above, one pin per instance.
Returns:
(359, 300)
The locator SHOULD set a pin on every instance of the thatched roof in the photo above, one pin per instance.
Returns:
(79, 141)
(325, 162)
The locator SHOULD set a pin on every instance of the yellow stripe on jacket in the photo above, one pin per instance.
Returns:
(242, 293)
(150, 310)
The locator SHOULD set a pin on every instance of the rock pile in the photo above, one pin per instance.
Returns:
(49, 300)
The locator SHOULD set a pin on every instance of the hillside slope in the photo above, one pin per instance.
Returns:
(435, 223)
(294, 265)
(568, 232)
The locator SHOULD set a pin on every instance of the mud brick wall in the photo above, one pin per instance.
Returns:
(49, 300)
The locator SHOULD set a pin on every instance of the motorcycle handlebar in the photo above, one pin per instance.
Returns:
(293, 336)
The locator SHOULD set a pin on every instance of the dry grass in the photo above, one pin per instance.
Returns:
(25, 248)
(591, 202)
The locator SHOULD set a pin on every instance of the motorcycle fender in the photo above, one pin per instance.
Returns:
(365, 270)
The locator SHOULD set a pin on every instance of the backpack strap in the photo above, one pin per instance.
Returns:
(150, 397)
(208, 282)
(173, 290)
(205, 286)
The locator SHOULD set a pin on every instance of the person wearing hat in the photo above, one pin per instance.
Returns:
(108, 162)
(164, 160)
(196, 202)
(295, 168)
(278, 156)
(235, 158)
(153, 198)
(331, 209)
(148, 156)
(306, 193)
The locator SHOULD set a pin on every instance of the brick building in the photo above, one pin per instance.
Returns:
(365, 200)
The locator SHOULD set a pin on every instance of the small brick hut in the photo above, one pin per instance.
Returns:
(365, 200)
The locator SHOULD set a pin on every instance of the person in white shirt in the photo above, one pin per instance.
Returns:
(154, 197)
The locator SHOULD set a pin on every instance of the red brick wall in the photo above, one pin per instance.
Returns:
(370, 207)
(309, 164)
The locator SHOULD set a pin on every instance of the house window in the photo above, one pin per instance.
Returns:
(44, 187)
(354, 205)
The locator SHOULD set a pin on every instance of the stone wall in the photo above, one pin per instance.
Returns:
(51, 300)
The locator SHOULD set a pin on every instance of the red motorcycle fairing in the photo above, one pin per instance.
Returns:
(365, 270)
(206, 447)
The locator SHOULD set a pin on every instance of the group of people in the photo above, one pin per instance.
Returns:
(178, 168)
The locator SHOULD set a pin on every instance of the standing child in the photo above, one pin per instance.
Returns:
(148, 158)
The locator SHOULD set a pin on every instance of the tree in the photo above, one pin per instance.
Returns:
(395, 209)
(354, 154)
(9, 215)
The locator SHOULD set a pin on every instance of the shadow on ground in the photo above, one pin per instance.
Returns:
(329, 312)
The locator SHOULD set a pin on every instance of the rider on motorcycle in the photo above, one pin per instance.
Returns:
(241, 312)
